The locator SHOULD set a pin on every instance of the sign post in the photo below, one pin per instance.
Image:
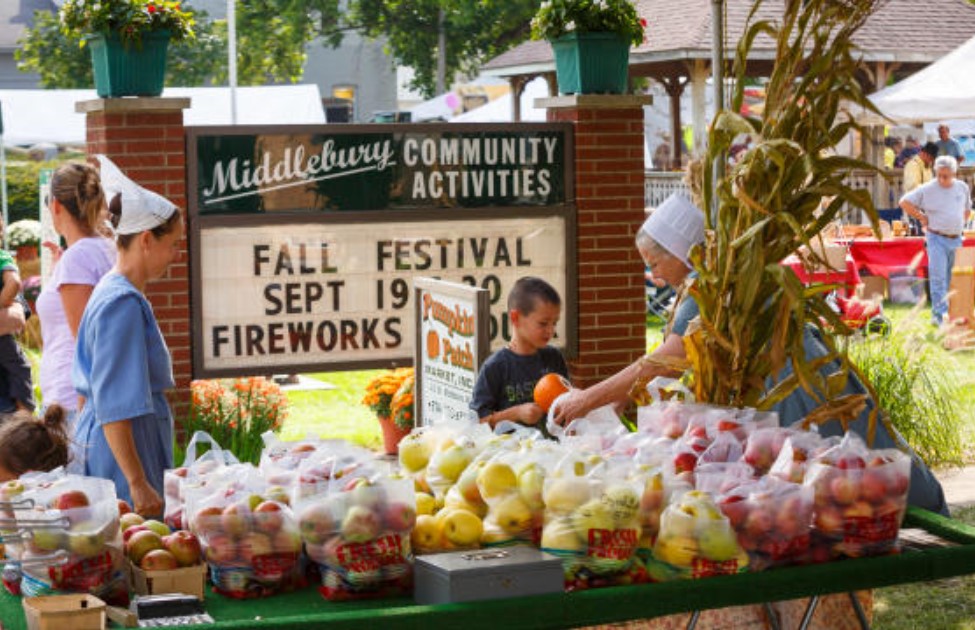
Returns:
(451, 342)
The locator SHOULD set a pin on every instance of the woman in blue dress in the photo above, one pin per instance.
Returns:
(122, 366)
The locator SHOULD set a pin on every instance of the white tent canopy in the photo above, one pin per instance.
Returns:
(944, 90)
(34, 116)
(501, 109)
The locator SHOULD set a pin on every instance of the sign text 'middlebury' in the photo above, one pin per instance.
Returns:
(364, 170)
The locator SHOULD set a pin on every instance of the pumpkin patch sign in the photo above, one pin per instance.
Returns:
(452, 342)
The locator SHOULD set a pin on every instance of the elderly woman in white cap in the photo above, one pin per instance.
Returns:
(122, 365)
(664, 241)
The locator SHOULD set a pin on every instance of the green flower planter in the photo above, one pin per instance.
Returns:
(591, 63)
(138, 69)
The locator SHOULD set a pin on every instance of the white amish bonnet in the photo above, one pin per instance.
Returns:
(142, 209)
(676, 225)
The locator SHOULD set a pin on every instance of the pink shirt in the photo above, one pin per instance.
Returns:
(85, 262)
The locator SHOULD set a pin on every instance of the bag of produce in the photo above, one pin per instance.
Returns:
(860, 497)
(696, 540)
(591, 522)
(251, 542)
(70, 540)
(195, 470)
(657, 489)
(717, 478)
(359, 536)
(772, 518)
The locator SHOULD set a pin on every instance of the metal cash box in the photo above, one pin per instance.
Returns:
(465, 576)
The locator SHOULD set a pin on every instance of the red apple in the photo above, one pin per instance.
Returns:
(697, 431)
(175, 519)
(141, 543)
(685, 462)
(71, 500)
(873, 487)
(758, 523)
(399, 517)
(158, 560)
(235, 519)
(844, 490)
(221, 549)
(286, 541)
(360, 524)
(208, 521)
(132, 530)
(850, 462)
(298, 449)
(123, 507)
(269, 517)
(735, 508)
(254, 545)
(184, 546)
(758, 456)
(829, 520)
(898, 483)
(859, 510)
(789, 524)
(130, 519)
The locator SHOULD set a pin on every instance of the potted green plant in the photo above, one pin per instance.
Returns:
(128, 40)
(591, 40)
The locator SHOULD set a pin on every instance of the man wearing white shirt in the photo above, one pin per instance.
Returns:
(942, 206)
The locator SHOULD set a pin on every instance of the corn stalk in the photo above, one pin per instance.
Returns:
(779, 196)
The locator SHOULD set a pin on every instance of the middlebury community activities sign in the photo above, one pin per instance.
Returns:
(304, 241)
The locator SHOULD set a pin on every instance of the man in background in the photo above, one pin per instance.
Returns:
(948, 145)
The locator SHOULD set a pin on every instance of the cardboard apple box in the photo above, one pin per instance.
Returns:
(64, 612)
(188, 580)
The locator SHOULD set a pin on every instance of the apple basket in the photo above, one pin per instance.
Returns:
(251, 542)
(860, 497)
(359, 536)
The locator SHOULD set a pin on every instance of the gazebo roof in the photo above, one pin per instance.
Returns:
(912, 33)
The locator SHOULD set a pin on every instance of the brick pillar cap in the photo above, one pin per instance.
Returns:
(595, 101)
(140, 104)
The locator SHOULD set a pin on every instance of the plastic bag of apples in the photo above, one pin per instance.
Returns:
(71, 542)
(592, 520)
(860, 498)
(696, 540)
(194, 471)
(358, 533)
(772, 518)
(251, 542)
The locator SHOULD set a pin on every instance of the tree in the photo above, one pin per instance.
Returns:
(474, 32)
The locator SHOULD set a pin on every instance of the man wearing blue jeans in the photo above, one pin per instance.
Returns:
(942, 206)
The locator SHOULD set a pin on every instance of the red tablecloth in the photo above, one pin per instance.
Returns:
(897, 255)
(850, 277)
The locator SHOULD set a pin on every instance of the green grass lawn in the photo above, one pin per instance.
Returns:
(333, 413)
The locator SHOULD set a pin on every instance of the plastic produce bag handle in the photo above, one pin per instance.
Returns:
(656, 387)
(202, 437)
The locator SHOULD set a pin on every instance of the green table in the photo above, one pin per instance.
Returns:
(308, 610)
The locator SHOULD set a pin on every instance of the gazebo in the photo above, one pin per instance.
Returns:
(899, 39)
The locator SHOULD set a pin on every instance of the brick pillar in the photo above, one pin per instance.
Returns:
(145, 138)
(609, 182)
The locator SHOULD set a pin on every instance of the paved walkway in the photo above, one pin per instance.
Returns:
(959, 485)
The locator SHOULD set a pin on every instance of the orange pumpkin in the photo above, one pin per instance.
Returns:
(433, 344)
(550, 387)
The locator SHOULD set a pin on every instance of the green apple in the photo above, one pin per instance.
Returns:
(718, 542)
(157, 526)
(592, 515)
(49, 539)
(86, 540)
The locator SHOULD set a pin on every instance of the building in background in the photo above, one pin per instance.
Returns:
(15, 16)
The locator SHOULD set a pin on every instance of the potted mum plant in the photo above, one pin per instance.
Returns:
(24, 237)
(591, 40)
(392, 404)
(128, 40)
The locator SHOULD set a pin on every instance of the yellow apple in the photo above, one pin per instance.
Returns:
(718, 542)
(467, 484)
(561, 536)
(493, 534)
(425, 503)
(676, 550)
(512, 514)
(531, 480)
(452, 462)
(426, 533)
(496, 479)
(462, 528)
(623, 502)
(453, 500)
(591, 515)
(414, 452)
(565, 494)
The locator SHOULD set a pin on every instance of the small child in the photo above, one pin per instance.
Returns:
(28, 443)
(506, 385)
(19, 388)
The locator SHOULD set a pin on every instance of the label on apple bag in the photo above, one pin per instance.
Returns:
(703, 568)
(389, 549)
(274, 567)
(82, 575)
(864, 530)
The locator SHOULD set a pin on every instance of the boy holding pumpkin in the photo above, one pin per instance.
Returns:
(506, 384)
